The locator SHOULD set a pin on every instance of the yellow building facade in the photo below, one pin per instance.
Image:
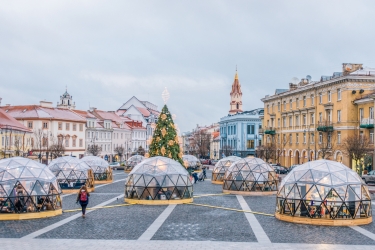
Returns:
(311, 119)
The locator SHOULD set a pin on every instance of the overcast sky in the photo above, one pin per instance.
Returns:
(105, 52)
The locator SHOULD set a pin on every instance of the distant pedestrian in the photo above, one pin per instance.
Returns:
(195, 175)
(83, 199)
(204, 173)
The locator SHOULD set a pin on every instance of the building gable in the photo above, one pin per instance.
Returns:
(133, 102)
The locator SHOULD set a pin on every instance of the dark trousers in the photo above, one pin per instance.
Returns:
(83, 208)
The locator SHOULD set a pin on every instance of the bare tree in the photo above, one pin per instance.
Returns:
(38, 142)
(141, 151)
(227, 150)
(17, 145)
(119, 150)
(94, 149)
(326, 144)
(201, 142)
(267, 151)
(357, 146)
(56, 149)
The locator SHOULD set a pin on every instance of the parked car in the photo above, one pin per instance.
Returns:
(204, 161)
(114, 165)
(369, 177)
(280, 170)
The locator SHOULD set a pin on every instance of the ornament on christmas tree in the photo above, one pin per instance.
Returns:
(162, 150)
(163, 117)
(180, 155)
(163, 132)
(147, 155)
(170, 155)
(157, 139)
(170, 143)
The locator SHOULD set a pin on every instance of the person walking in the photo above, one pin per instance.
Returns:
(83, 199)
(195, 176)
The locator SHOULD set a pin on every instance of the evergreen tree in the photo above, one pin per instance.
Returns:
(165, 140)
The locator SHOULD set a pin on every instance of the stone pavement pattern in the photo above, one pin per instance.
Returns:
(181, 227)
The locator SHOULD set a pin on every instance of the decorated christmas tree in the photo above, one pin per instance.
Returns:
(165, 139)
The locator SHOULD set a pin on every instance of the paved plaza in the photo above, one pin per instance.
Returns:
(214, 221)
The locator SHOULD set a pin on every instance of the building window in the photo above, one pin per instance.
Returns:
(329, 115)
(338, 137)
(371, 111)
(312, 138)
(278, 138)
(290, 121)
(284, 105)
(284, 122)
(338, 94)
(312, 118)
(45, 125)
(360, 115)
(290, 104)
(250, 143)
(320, 138)
(304, 120)
(329, 96)
(297, 102)
(278, 122)
(30, 124)
(268, 109)
(67, 126)
(297, 120)
(312, 100)
(371, 137)
(59, 125)
(297, 138)
(278, 106)
(250, 129)
(304, 101)
(67, 142)
(80, 127)
(74, 127)
(81, 142)
(320, 98)
(304, 138)
(284, 138)
(74, 142)
(361, 136)
(338, 115)
(320, 117)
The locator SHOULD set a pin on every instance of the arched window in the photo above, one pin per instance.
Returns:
(237, 106)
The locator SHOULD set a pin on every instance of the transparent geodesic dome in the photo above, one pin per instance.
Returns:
(158, 178)
(99, 167)
(27, 186)
(250, 175)
(71, 172)
(323, 189)
(222, 166)
(191, 162)
(133, 161)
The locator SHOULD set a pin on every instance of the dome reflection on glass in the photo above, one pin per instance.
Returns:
(250, 175)
(221, 167)
(100, 168)
(27, 186)
(323, 189)
(133, 161)
(71, 172)
(191, 163)
(158, 178)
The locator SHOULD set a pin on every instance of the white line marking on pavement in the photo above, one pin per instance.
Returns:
(364, 232)
(254, 223)
(151, 230)
(64, 221)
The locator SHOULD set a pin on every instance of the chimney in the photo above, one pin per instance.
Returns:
(92, 109)
(292, 86)
(46, 104)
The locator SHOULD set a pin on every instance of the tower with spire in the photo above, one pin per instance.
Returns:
(66, 101)
(235, 96)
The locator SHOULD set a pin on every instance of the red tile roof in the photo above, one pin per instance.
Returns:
(144, 111)
(84, 113)
(38, 112)
(215, 135)
(8, 122)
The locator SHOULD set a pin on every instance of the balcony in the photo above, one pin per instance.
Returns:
(325, 126)
(270, 131)
(367, 123)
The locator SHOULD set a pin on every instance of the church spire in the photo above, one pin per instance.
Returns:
(235, 96)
